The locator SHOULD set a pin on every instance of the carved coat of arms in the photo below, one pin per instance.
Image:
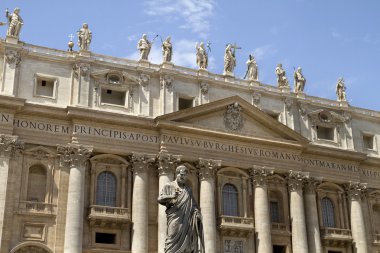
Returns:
(233, 118)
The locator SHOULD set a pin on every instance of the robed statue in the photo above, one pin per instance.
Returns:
(84, 37)
(299, 81)
(341, 90)
(144, 46)
(15, 22)
(229, 60)
(282, 80)
(167, 49)
(184, 219)
(202, 57)
(252, 69)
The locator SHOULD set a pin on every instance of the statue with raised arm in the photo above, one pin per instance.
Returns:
(144, 45)
(299, 81)
(167, 49)
(185, 229)
(282, 80)
(252, 70)
(202, 57)
(229, 60)
(341, 90)
(84, 37)
(15, 22)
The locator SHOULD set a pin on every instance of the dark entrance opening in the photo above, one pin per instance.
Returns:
(105, 238)
(279, 249)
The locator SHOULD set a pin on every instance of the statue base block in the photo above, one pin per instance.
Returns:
(284, 89)
(343, 103)
(144, 63)
(228, 74)
(85, 53)
(167, 65)
(301, 95)
(202, 72)
(11, 40)
(254, 83)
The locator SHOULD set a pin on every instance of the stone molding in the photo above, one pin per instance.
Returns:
(81, 69)
(167, 81)
(144, 80)
(13, 58)
(355, 190)
(74, 155)
(311, 184)
(208, 168)
(296, 180)
(204, 88)
(259, 175)
(141, 162)
(10, 145)
(167, 163)
(256, 98)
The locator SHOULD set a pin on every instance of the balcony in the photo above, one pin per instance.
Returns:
(280, 228)
(107, 216)
(235, 226)
(36, 208)
(336, 236)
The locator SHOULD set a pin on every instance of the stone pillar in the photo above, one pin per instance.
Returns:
(93, 180)
(12, 60)
(123, 185)
(144, 95)
(166, 169)
(81, 92)
(9, 145)
(207, 172)
(75, 157)
(313, 233)
(297, 211)
(167, 94)
(141, 165)
(263, 224)
(354, 192)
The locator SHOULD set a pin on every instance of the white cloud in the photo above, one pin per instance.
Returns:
(194, 13)
(266, 50)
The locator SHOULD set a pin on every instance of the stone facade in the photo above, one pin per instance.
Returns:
(87, 141)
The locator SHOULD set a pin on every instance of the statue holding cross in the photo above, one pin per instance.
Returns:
(230, 59)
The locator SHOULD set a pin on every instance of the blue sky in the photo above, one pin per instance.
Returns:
(328, 39)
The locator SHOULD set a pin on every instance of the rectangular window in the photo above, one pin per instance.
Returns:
(325, 133)
(368, 142)
(184, 103)
(113, 97)
(274, 212)
(105, 238)
(45, 87)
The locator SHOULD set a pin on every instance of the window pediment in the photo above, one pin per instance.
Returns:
(326, 118)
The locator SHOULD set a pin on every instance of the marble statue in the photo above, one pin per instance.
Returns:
(202, 57)
(341, 90)
(144, 45)
(15, 22)
(229, 60)
(84, 37)
(282, 80)
(252, 71)
(185, 229)
(167, 49)
(299, 81)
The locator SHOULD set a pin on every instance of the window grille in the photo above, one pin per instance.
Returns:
(230, 200)
(328, 213)
(106, 189)
(274, 212)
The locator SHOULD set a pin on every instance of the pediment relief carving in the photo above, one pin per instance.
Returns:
(326, 118)
(114, 78)
(40, 153)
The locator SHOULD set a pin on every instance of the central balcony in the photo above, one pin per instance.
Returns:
(280, 228)
(105, 216)
(336, 236)
(235, 226)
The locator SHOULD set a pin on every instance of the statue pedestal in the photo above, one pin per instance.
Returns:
(301, 95)
(254, 83)
(343, 103)
(85, 53)
(11, 39)
(144, 63)
(167, 65)
(202, 72)
(284, 89)
(227, 74)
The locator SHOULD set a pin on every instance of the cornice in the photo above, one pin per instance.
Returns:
(12, 103)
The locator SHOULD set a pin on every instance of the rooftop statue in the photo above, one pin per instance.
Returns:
(84, 38)
(252, 70)
(299, 81)
(229, 59)
(202, 57)
(167, 49)
(282, 80)
(15, 22)
(341, 90)
(144, 45)
(185, 229)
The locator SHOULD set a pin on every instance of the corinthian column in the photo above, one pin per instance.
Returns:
(207, 172)
(9, 145)
(167, 165)
(297, 212)
(262, 220)
(313, 233)
(75, 157)
(141, 165)
(354, 192)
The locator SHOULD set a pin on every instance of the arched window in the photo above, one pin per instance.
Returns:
(36, 184)
(230, 200)
(106, 189)
(328, 213)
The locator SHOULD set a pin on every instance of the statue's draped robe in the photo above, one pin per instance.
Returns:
(185, 231)
(229, 61)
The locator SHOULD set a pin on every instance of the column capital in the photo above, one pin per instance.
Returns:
(167, 163)
(10, 145)
(141, 162)
(311, 184)
(355, 190)
(74, 155)
(259, 175)
(296, 180)
(208, 168)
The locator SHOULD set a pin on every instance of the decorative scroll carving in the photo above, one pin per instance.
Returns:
(13, 58)
(288, 102)
(296, 180)
(74, 155)
(259, 175)
(256, 97)
(208, 168)
(233, 118)
(9, 145)
(81, 69)
(355, 190)
(167, 163)
(311, 184)
(166, 81)
(326, 118)
(144, 80)
(142, 162)
(204, 88)
(302, 108)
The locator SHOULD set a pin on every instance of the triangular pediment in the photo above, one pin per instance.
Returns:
(233, 116)
(114, 77)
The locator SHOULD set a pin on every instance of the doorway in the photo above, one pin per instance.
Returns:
(279, 249)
